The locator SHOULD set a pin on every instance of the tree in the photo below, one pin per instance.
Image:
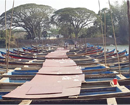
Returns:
(75, 18)
(66, 31)
(121, 20)
(3, 38)
(31, 17)
(105, 18)
(44, 33)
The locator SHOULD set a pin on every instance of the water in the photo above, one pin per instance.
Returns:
(119, 47)
(11, 49)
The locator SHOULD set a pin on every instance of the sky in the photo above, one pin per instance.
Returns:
(58, 4)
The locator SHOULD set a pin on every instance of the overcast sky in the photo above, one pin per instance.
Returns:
(58, 4)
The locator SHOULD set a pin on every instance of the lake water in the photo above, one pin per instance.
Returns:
(119, 47)
(11, 49)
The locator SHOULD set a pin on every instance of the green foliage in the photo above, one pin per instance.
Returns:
(3, 38)
(31, 17)
(44, 33)
(90, 32)
(54, 30)
(2, 35)
(72, 22)
(73, 35)
(74, 18)
(66, 31)
(121, 20)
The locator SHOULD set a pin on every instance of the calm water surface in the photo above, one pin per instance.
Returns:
(119, 47)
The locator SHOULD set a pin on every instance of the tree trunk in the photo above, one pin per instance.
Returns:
(76, 33)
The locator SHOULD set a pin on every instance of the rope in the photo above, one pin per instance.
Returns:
(10, 35)
(114, 36)
(102, 32)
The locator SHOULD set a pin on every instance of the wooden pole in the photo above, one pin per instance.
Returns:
(113, 28)
(6, 40)
(103, 37)
(10, 32)
(128, 11)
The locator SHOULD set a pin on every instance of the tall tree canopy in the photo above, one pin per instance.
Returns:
(106, 19)
(120, 20)
(74, 18)
(31, 17)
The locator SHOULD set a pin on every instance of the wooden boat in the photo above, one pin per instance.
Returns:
(31, 50)
(2, 57)
(115, 54)
(22, 57)
(35, 49)
(95, 69)
(86, 53)
(10, 66)
(84, 94)
(60, 87)
(86, 63)
(102, 54)
(115, 59)
(28, 53)
(20, 63)
(88, 58)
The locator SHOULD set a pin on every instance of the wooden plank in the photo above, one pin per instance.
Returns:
(121, 76)
(100, 76)
(95, 84)
(37, 60)
(8, 72)
(123, 89)
(20, 76)
(30, 61)
(17, 69)
(3, 79)
(111, 101)
(96, 70)
(25, 102)
(30, 68)
(26, 66)
(104, 65)
(9, 85)
(6, 90)
(101, 96)
(112, 64)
